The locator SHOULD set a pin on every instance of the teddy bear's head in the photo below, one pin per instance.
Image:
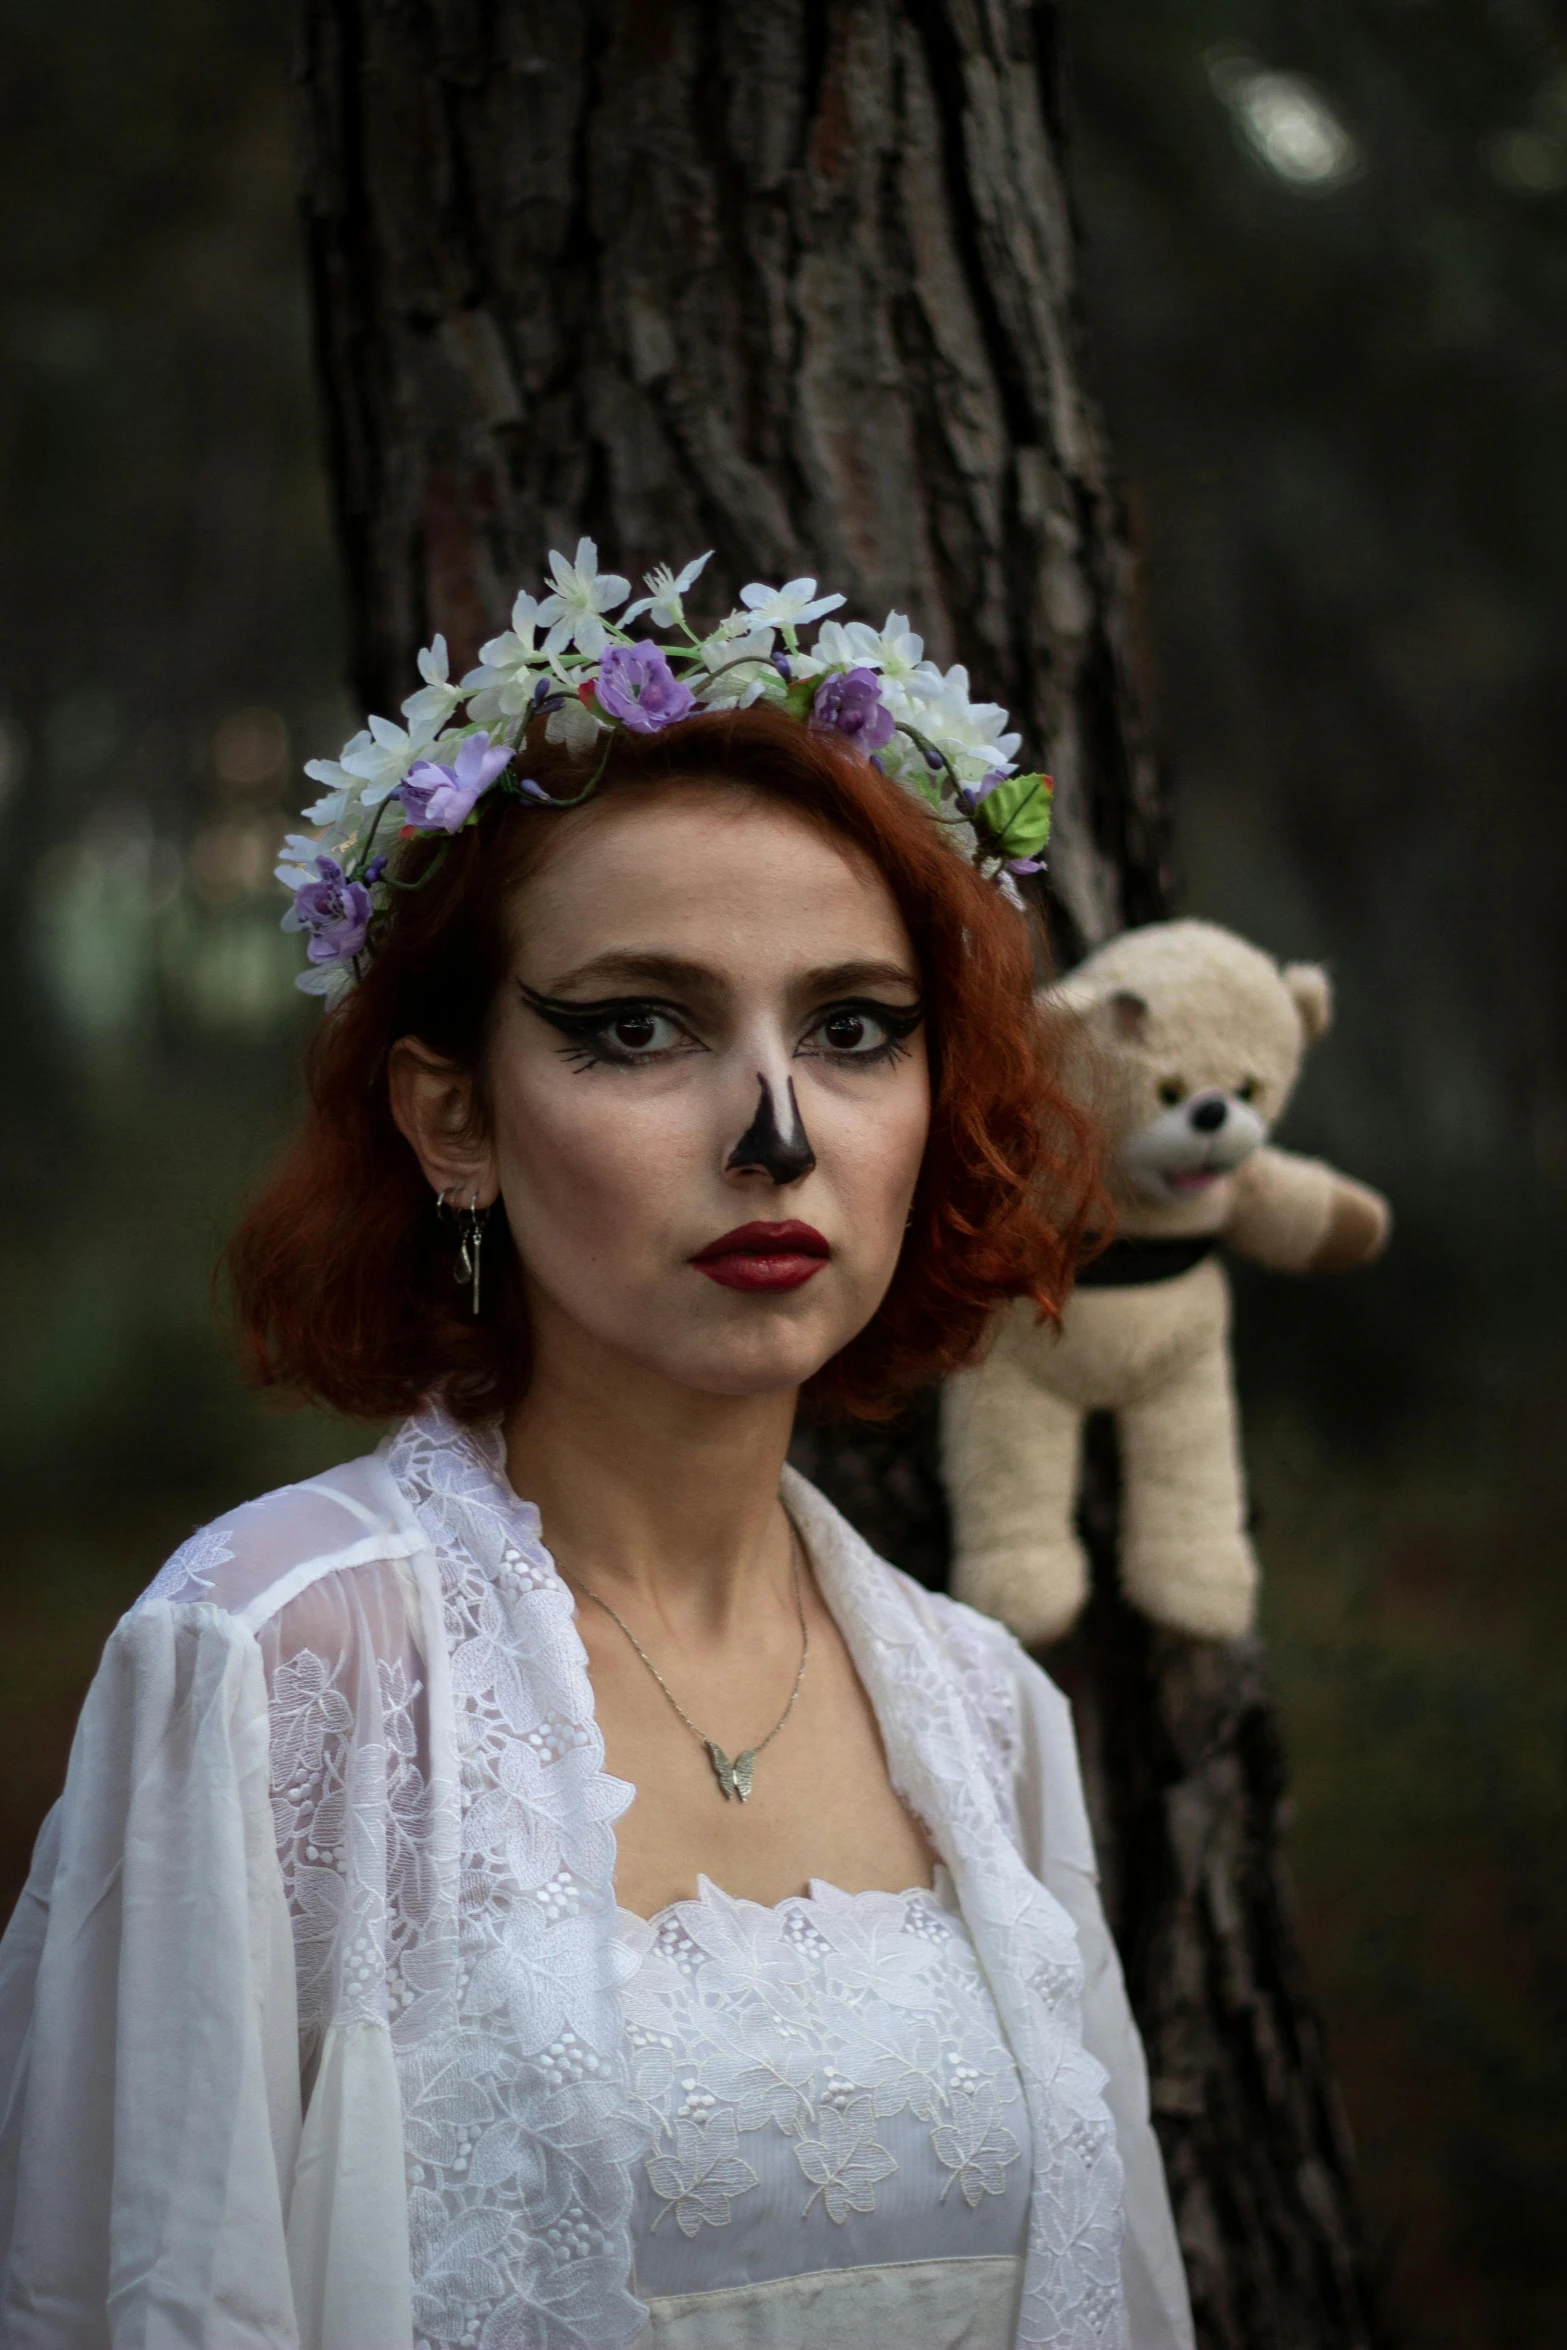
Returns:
(1194, 1042)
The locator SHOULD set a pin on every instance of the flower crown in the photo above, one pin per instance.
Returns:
(564, 660)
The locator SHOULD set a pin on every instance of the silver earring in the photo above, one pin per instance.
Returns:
(470, 1239)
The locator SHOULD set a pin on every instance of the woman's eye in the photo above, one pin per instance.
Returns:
(640, 1032)
(846, 1032)
(864, 1032)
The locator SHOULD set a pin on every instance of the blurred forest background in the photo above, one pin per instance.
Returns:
(1327, 286)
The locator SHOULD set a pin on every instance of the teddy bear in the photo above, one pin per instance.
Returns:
(1185, 1043)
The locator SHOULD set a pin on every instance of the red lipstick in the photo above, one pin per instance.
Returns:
(764, 1256)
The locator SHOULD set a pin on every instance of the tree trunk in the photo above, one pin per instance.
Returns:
(796, 283)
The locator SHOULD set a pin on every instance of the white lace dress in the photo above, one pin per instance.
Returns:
(320, 2028)
(828, 2085)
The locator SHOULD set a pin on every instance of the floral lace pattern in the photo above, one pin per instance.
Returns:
(829, 2069)
(973, 1644)
(187, 1572)
(352, 1814)
(517, 2112)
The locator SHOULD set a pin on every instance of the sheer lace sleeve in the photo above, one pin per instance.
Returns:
(149, 2101)
(348, 1703)
(200, 2132)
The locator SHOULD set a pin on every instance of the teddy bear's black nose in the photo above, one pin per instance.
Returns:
(1209, 1116)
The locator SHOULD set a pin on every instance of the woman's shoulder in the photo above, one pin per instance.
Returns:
(251, 1562)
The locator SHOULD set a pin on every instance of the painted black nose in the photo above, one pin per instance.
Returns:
(1209, 1116)
(778, 1148)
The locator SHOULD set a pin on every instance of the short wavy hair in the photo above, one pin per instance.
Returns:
(341, 1270)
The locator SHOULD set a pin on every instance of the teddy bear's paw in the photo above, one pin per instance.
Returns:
(1037, 1589)
(1207, 1589)
(1357, 1229)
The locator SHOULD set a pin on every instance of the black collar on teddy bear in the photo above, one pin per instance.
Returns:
(1131, 1263)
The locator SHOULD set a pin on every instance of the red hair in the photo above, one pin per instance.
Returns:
(341, 1269)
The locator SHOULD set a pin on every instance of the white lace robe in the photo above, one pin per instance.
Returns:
(311, 2034)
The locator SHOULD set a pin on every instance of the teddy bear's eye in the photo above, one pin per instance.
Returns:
(1172, 1091)
(1247, 1090)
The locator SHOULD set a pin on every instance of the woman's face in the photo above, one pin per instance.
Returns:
(708, 1088)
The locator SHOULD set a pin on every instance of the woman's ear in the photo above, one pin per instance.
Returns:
(433, 1104)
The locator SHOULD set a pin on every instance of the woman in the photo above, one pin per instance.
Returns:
(685, 1933)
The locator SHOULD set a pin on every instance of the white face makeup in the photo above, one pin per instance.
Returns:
(708, 1087)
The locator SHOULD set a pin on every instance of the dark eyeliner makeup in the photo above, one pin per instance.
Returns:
(585, 1026)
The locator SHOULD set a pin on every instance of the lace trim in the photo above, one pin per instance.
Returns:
(1072, 2296)
(518, 2115)
(989, 1696)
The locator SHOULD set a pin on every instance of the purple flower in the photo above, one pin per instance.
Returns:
(850, 705)
(440, 799)
(335, 911)
(637, 686)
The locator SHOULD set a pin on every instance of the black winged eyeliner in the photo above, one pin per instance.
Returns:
(586, 1019)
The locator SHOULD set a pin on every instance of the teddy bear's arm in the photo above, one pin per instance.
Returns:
(1302, 1216)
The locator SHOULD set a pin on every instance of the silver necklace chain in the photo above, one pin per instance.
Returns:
(734, 1777)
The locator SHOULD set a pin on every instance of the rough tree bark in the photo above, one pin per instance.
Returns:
(797, 283)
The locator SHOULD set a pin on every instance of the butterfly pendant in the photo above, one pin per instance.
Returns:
(734, 1778)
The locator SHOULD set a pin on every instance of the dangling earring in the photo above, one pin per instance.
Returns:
(471, 1224)
(470, 1239)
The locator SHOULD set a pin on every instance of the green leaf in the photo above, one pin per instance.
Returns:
(1016, 815)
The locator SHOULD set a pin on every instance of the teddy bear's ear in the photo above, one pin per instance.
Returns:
(1312, 989)
(1129, 1015)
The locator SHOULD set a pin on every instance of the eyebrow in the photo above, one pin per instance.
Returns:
(636, 969)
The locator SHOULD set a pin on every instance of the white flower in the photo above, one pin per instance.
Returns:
(580, 594)
(790, 606)
(341, 786)
(833, 649)
(895, 650)
(752, 676)
(381, 758)
(297, 860)
(574, 726)
(969, 732)
(664, 603)
(438, 698)
(504, 680)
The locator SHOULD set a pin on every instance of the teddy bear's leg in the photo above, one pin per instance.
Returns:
(1185, 1557)
(1009, 1455)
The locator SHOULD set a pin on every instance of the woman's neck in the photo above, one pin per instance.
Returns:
(652, 1493)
